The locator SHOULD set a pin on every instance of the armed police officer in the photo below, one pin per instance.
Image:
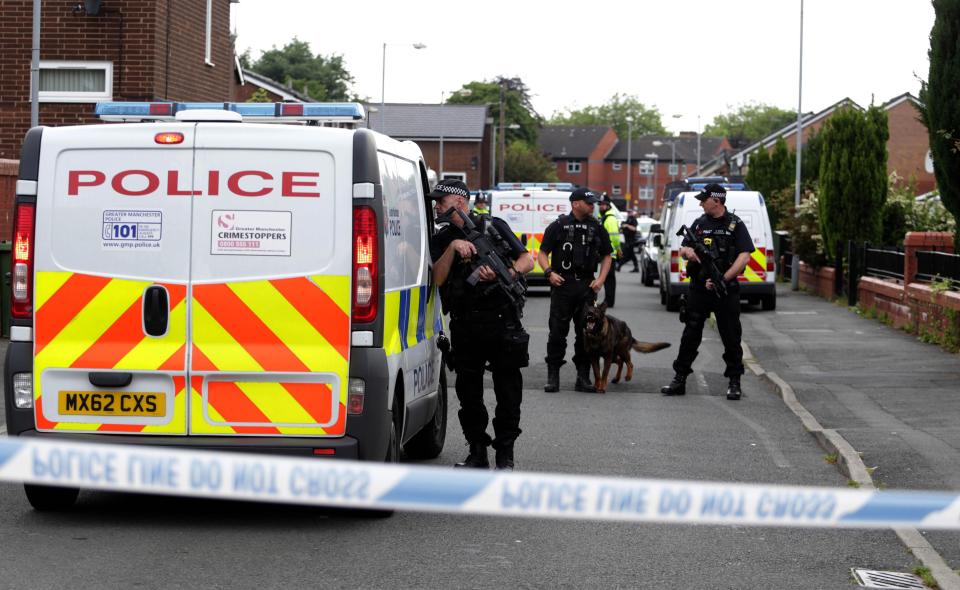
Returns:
(485, 323)
(725, 246)
(577, 243)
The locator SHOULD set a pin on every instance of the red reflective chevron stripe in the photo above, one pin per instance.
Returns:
(231, 403)
(247, 329)
(69, 300)
(319, 309)
(314, 398)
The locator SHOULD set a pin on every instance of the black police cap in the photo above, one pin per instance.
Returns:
(449, 187)
(712, 190)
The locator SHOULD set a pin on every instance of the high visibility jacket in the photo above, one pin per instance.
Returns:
(612, 226)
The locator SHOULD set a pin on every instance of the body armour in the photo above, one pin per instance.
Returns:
(576, 250)
(718, 236)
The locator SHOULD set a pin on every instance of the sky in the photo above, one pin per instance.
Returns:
(685, 57)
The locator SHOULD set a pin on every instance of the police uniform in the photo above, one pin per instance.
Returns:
(576, 247)
(629, 229)
(612, 225)
(485, 331)
(726, 237)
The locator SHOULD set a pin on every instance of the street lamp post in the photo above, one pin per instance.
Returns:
(673, 155)
(383, 77)
(629, 145)
(440, 175)
(795, 263)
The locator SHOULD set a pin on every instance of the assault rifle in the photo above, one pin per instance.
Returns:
(708, 263)
(514, 287)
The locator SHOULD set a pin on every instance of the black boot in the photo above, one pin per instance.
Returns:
(553, 379)
(504, 460)
(477, 458)
(583, 380)
(733, 390)
(677, 387)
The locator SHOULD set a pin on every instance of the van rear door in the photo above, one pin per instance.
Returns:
(270, 271)
(112, 267)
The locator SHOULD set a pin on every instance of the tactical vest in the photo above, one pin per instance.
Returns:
(721, 243)
(576, 249)
(457, 295)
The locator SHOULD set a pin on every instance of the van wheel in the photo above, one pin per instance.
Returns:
(49, 498)
(769, 302)
(428, 443)
(673, 303)
(647, 276)
(663, 296)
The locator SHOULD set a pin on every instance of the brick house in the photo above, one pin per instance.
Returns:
(579, 152)
(908, 148)
(136, 50)
(466, 130)
(247, 83)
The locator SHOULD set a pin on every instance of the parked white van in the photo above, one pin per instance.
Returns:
(207, 279)
(757, 282)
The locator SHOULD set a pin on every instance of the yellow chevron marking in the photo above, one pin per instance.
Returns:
(337, 288)
(198, 425)
(177, 424)
(290, 326)
(47, 284)
(218, 345)
(89, 325)
(150, 353)
(278, 405)
(391, 317)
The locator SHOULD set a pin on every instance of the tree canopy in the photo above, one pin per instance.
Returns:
(524, 163)
(322, 78)
(615, 112)
(518, 109)
(749, 123)
(772, 172)
(941, 109)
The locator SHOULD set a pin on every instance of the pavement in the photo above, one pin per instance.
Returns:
(892, 397)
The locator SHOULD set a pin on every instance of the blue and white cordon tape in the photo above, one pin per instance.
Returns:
(240, 476)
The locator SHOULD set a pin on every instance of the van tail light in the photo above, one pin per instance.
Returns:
(22, 283)
(771, 260)
(674, 260)
(365, 259)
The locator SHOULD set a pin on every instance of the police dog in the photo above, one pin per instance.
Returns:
(606, 337)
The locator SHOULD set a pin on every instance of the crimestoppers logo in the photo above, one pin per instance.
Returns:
(226, 220)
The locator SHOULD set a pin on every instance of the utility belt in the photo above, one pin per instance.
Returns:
(582, 276)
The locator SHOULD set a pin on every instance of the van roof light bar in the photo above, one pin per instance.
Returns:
(263, 111)
(560, 186)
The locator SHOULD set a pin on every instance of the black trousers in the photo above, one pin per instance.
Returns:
(610, 285)
(727, 311)
(568, 302)
(477, 345)
(629, 255)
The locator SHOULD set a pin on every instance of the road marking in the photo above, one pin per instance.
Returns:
(796, 313)
(778, 457)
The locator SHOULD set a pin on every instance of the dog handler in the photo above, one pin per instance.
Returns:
(484, 328)
(577, 243)
(726, 235)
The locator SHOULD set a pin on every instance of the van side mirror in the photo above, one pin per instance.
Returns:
(656, 228)
(658, 240)
(523, 239)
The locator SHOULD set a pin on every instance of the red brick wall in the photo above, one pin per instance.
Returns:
(458, 156)
(908, 146)
(138, 51)
(8, 186)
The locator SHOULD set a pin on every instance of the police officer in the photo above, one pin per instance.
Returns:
(480, 205)
(610, 223)
(726, 236)
(484, 327)
(578, 243)
(629, 229)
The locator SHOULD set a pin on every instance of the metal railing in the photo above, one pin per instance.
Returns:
(883, 262)
(936, 266)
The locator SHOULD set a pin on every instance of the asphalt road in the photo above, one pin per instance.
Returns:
(116, 540)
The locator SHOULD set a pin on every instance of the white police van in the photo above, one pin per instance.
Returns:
(758, 280)
(210, 280)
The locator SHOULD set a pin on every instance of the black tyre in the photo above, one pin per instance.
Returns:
(50, 499)
(769, 302)
(428, 443)
(663, 296)
(646, 276)
(392, 456)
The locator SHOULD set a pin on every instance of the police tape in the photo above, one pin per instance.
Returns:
(377, 486)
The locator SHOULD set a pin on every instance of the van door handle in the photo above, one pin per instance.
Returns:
(110, 379)
(156, 312)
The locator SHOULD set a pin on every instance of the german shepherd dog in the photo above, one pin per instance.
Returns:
(606, 337)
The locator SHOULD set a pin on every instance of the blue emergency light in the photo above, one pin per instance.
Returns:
(294, 111)
(560, 186)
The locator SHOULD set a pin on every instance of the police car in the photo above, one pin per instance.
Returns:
(208, 279)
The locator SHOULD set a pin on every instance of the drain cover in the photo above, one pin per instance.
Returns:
(878, 579)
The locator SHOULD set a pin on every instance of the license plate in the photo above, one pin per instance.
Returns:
(112, 403)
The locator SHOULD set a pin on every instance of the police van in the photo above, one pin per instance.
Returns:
(529, 207)
(199, 275)
(758, 280)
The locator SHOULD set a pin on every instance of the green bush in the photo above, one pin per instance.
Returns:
(803, 223)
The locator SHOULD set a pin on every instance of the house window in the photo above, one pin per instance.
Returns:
(617, 166)
(461, 176)
(76, 81)
(573, 167)
(207, 56)
(616, 189)
(645, 194)
(646, 168)
(673, 169)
